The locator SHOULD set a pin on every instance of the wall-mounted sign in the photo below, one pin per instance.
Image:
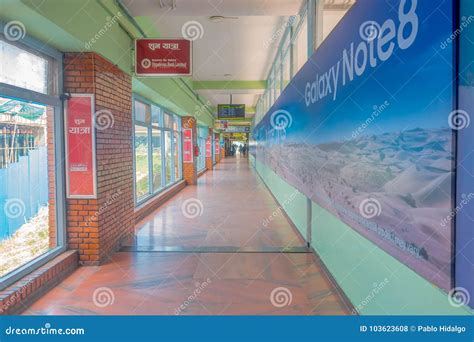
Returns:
(231, 111)
(163, 57)
(187, 145)
(237, 129)
(80, 147)
(209, 147)
(220, 124)
(217, 146)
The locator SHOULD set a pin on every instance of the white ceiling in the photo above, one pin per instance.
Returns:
(238, 48)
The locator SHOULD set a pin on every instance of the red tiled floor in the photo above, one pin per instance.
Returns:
(234, 202)
(205, 283)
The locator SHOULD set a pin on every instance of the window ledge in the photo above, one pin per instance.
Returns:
(21, 294)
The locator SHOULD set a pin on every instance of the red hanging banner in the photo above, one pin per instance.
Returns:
(208, 147)
(163, 57)
(187, 145)
(80, 147)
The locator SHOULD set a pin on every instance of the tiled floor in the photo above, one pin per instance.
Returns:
(234, 203)
(228, 207)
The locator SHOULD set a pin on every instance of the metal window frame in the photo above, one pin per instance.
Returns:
(52, 99)
(150, 127)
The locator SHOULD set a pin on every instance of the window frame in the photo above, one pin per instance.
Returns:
(160, 126)
(53, 100)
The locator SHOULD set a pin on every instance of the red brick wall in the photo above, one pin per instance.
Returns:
(96, 227)
(190, 169)
(51, 177)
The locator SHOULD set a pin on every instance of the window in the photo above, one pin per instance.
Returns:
(157, 143)
(32, 219)
(168, 158)
(157, 160)
(142, 164)
(23, 69)
(202, 137)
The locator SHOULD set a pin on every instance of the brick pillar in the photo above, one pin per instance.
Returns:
(209, 159)
(95, 227)
(190, 169)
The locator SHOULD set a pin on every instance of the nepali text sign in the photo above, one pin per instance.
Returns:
(80, 147)
(187, 145)
(163, 57)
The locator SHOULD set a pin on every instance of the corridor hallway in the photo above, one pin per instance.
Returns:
(206, 251)
(229, 208)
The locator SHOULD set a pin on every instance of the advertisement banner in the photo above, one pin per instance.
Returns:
(163, 57)
(80, 147)
(187, 145)
(209, 147)
(362, 133)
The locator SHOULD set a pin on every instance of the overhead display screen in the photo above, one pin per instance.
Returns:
(231, 111)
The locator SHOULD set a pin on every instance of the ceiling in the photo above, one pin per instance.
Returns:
(239, 47)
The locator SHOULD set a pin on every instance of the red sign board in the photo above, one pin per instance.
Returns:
(187, 145)
(218, 146)
(163, 57)
(80, 147)
(208, 147)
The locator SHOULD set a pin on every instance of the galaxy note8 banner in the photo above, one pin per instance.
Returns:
(362, 132)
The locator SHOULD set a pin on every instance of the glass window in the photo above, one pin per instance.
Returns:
(157, 159)
(141, 162)
(156, 116)
(23, 69)
(157, 149)
(27, 230)
(31, 224)
(168, 121)
(168, 158)
(177, 144)
(142, 112)
(301, 46)
(286, 70)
